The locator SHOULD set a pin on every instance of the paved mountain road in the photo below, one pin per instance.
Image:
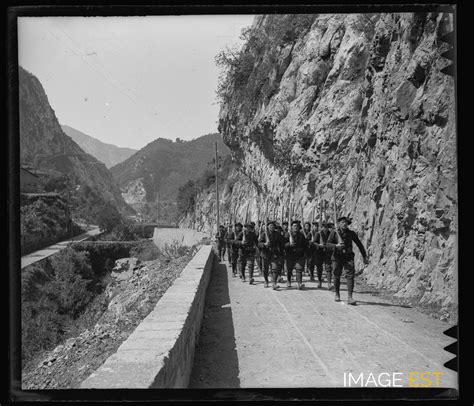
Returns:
(254, 337)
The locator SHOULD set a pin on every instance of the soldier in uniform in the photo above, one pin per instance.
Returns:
(343, 256)
(232, 238)
(258, 256)
(295, 246)
(272, 251)
(247, 242)
(228, 245)
(220, 239)
(322, 255)
(285, 233)
(309, 233)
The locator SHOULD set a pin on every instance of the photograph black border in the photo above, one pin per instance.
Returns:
(13, 365)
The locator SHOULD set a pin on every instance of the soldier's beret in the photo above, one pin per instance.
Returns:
(295, 222)
(315, 223)
(285, 223)
(278, 228)
(271, 222)
(344, 218)
(238, 225)
(252, 223)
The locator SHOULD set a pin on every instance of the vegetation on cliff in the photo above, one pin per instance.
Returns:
(187, 194)
(109, 317)
(64, 294)
(242, 79)
(54, 293)
(45, 221)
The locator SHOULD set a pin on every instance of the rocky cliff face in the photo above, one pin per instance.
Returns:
(359, 99)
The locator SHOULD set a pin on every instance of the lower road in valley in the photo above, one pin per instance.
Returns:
(255, 337)
(53, 249)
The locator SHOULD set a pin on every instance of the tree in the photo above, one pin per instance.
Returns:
(59, 183)
(125, 230)
(71, 275)
(186, 197)
(108, 217)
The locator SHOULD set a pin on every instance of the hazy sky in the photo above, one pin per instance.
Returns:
(129, 80)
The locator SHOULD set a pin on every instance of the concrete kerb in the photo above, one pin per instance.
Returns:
(160, 352)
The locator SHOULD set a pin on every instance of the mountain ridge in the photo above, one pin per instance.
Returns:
(150, 179)
(44, 146)
(109, 154)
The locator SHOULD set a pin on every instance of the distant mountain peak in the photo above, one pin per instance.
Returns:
(150, 179)
(109, 154)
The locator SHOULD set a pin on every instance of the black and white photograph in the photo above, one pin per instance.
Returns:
(238, 201)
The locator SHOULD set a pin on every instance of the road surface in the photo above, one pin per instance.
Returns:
(53, 249)
(254, 337)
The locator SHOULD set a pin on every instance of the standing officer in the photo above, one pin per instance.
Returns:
(247, 241)
(282, 263)
(343, 256)
(227, 242)
(258, 253)
(220, 238)
(285, 233)
(309, 253)
(233, 241)
(322, 255)
(272, 245)
(295, 247)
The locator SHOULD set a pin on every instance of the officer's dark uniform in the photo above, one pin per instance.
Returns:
(309, 254)
(234, 250)
(228, 245)
(247, 251)
(258, 254)
(295, 256)
(220, 236)
(343, 258)
(322, 256)
(285, 235)
(272, 255)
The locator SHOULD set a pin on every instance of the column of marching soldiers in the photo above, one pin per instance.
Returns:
(295, 246)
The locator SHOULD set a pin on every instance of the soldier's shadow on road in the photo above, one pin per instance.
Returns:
(216, 363)
(365, 303)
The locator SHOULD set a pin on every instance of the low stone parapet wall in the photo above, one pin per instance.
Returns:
(160, 352)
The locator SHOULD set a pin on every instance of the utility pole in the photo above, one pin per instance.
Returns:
(217, 194)
(69, 210)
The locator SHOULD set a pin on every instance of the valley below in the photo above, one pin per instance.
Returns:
(130, 291)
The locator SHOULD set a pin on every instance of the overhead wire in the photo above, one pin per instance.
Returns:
(77, 50)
